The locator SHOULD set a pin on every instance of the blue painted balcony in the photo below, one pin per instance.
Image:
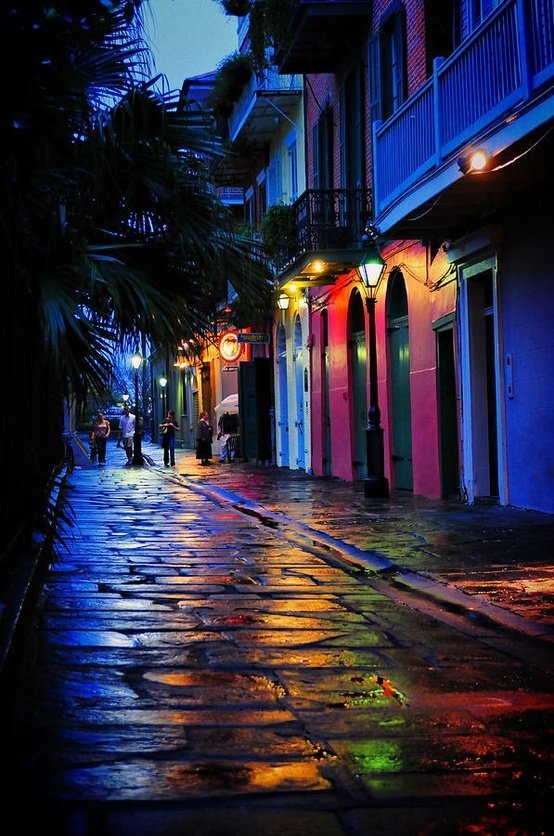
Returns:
(267, 98)
(494, 92)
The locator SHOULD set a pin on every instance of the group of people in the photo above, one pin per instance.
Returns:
(227, 434)
(227, 431)
(101, 430)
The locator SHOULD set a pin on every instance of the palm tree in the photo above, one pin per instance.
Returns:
(110, 229)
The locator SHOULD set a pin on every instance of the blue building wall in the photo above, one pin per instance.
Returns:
(527, 282)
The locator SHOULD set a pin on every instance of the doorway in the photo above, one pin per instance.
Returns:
(482, 419)
(299, 395)
(447, 403)
(283, 422)
(327, 438)
(358, 372)
(399, 356)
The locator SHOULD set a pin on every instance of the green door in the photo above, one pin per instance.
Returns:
(358, 381)
(325, 372)
(448, 413)
(399, 354)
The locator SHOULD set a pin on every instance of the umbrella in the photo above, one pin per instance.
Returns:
(229, 404)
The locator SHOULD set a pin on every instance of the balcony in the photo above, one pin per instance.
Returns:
(322, 33)
(495, 92)
(267, 98)
(329, 225)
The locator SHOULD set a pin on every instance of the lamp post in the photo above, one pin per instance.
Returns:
(136, 362)
(376, 484)
(163, 383)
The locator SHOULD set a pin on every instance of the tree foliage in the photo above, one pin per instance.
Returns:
(268, 25)
(110, 228)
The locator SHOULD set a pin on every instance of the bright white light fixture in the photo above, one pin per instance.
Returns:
(370, 269)
(283, 302)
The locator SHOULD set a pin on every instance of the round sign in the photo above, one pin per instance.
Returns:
(229, 346)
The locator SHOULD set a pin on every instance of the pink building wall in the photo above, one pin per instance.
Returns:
(426, 304)
(429, 297)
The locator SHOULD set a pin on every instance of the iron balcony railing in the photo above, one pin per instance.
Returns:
(500, 68)
(326, 220)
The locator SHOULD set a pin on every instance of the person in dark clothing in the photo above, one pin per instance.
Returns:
(168, 429)
(204, 437)
(227, 427)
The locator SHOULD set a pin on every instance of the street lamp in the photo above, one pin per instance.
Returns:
(283, 303)
(136, 362)
(163, 383)
(370, 271)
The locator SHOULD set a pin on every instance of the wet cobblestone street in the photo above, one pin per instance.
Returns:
(194, 670)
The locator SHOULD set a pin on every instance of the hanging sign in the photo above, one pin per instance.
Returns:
(229, 347)
(253, 337)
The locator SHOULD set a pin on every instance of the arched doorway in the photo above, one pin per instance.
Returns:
(299, 390)
(327, 446)
(357, 350)
(283, 421)
(399, 358)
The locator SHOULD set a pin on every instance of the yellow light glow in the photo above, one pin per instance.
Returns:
(479, 160)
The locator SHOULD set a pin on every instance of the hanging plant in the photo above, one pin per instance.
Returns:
(269, 28)
(258, 35)
(268, 25)
(232, 76)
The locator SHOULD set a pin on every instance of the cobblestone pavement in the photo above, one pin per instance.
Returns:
(504, 556)
(240, 651)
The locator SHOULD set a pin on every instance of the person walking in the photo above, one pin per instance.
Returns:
(168, 429)
(101, 430)
(204, 437)
(127, 427)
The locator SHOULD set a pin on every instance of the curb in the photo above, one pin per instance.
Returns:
(441, 592)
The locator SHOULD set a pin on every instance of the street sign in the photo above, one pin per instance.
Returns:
(253, 337)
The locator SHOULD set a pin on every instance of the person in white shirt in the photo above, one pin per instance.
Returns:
(127, 426)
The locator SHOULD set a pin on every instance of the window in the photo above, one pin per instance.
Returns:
(322, 137)
(273, 181)
(386, 66)
(293, 165)
(351, 131)
(249, 206)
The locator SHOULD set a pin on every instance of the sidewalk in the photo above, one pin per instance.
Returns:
(492, 559)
